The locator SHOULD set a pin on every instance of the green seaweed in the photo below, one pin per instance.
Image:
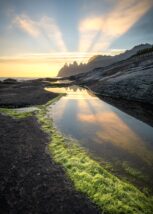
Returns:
(20, 115)
(14, 114)
(111, 194)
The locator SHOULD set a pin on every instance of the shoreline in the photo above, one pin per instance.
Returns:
(66, 154)
(31, 181)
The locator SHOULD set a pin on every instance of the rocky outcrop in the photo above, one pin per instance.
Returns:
(15, 94)
(99, 61)
(130, 79)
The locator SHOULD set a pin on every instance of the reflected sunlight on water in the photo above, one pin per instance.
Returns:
(103, 129)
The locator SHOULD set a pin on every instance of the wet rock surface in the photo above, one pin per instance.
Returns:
(25, 93)
(130, 79)
(30, 181)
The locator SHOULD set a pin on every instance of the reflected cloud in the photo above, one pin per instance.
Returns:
(73, 92)
(103, 129)
(59, 114)
(113, 130)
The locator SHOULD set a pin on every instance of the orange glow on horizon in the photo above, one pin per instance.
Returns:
(44, 64)
(28, 70)
(43, 44)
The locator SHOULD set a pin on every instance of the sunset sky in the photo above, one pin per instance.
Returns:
(38, 36)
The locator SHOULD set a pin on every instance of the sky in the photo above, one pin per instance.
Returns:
(37, 37)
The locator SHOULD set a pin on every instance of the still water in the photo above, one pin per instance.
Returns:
(104, 130)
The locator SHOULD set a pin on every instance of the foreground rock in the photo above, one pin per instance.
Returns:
(25, 93)
(30, 181)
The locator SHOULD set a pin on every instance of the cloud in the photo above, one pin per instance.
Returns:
(27, 25)
(97, 33)
(44, 29)
(52, 31)
(88, 29)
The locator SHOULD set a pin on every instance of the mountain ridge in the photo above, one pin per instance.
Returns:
(129, 79)
(99, 61)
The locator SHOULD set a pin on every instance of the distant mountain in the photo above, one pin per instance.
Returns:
(72, 69)
(99, 61)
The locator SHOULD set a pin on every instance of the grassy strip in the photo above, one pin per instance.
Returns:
(13, 113)
(20, 115)
(107, 191)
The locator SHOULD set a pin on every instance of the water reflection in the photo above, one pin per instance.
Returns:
(103, 129)
(140, 111)
(63, 81)
(112, 129)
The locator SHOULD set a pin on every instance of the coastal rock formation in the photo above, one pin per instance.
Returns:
(25, 93)
(130, 79)
(98, 61)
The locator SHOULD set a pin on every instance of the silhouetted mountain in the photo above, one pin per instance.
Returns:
(99, 61)
(72, 69)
